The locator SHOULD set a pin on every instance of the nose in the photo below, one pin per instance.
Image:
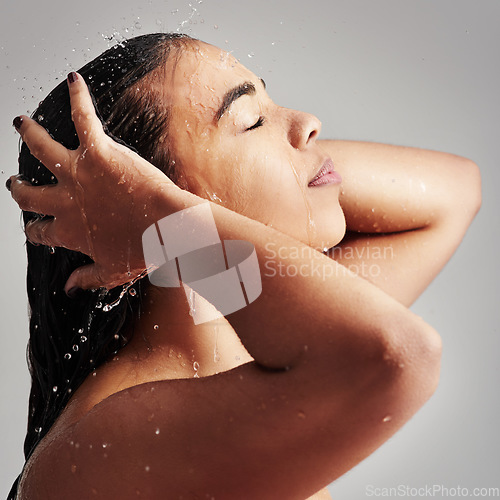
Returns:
(303, 130)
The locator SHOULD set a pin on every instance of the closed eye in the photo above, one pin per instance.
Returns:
(257, 124)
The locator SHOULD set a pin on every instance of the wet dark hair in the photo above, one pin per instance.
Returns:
(69, 338)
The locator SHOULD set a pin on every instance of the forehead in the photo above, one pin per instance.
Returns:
(200, 77)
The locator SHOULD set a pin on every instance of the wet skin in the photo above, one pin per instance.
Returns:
(257, 158)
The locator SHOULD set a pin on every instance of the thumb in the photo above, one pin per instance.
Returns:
(83, 278)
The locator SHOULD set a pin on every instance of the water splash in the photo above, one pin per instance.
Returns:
(125, 289)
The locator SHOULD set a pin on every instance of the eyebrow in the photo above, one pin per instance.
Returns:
(247, 88)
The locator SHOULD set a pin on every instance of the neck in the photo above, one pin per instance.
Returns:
(168, 344)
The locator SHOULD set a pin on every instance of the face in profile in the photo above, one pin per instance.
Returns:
(233, 145)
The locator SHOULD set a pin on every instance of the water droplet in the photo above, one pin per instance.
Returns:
(251, 54)
(83, 338)
(104, 445)
(132, 292)
(38, 430)
(138, 25)
(80, 330)
(216, 27)
(156, 327)
(67, 356)
(157, 431)
(52, 250)
(146, 468)
(387, 418)
(116, 336)
(75, 348)
(54, 389)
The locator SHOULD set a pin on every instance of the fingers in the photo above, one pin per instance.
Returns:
(42, 232)
(84, 278)
(52, 154)
(38, 199)
(87, 124)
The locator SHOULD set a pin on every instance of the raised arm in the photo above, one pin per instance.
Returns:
(339, 365)
(406, 211)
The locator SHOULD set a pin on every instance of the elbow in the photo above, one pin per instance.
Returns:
(470, 180)
(413, 359)
(459, 196)
(474, 179)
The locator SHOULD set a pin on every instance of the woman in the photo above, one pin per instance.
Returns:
(279, 398)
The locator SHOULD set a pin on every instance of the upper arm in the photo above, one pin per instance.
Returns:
(246, 433)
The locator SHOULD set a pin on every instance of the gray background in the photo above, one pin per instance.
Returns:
(416, 73)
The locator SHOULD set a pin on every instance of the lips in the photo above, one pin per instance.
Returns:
(326, 175)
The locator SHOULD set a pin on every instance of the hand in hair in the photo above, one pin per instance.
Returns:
(103, 201)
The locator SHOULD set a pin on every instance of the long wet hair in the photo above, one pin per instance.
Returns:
(69, 338)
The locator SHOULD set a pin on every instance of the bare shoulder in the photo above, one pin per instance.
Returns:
(245, 433)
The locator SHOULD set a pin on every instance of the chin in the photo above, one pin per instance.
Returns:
(329, 232)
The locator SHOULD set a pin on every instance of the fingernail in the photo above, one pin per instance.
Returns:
(8, 183)
(74, 292)
(18, 121)
(72, 77)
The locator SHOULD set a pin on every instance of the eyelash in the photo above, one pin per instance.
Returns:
(257, 124)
